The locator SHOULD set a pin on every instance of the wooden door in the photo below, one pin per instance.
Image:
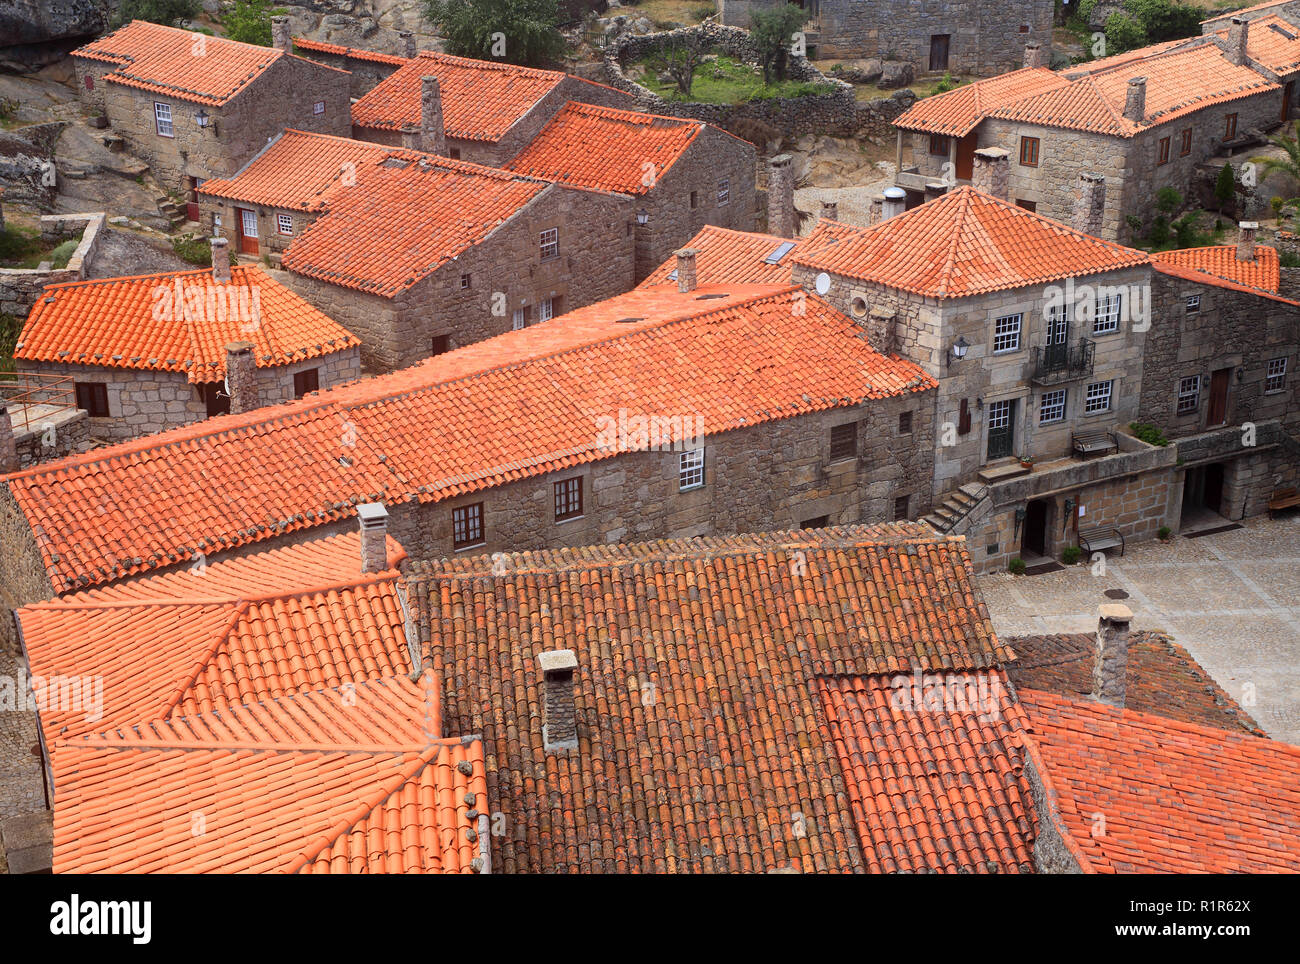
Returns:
(1002, 429)
(939, 52)
(1287, 92)
(966, 157)
(1219, 397)
(247, 227)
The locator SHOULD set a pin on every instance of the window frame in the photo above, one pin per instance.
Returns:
(302, 378)
(159, 120)
(548, 240)
(545, 309)
(1162, 156)
(519, 319)
(471, 523)
(906, 422)
(1185, 148)
(1018, 332)
(1192, 304)
(466, 281)
(724, 192)
(1030, 148)
(1089, 396)
(439, 340)
(903, 502)
(280, 219)
(941, 141)
(690, 465)
(97, 395)
(318, 108)
(1044, 406)
(567, 493)
(1279, 375)
(1110, 317)
(1230, 126)
(1188, 397)
(847, 441)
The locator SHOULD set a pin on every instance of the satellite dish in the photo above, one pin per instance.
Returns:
(823, 283)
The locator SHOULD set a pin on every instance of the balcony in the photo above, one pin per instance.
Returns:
(1054, 364)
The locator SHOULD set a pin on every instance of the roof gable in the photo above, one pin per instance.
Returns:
(958, 112)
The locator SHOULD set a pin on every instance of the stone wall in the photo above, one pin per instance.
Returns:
(20, 287)
(52, 438)
(366, 72)
(22, 570)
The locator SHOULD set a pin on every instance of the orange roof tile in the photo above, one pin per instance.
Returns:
(958, 112)
(1263, 272)
(728, 257)
(1176, 797)
(181, 63)
(353, 53)
(1272, 42)
(177, 322)
(481, 99)
(521, 404)
(964, 243)
(606, 149)
(404, 218)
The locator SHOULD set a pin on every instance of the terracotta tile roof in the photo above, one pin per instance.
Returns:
(1221, 261)
(701, 740)
(728, 257)
(299, 170)
(606, 149)
(1272, 42)
(1225, 14)
(965, 243)
(352, 53)
(403, 219)
(958, 112)
(132, 323)
(481, 99)
(934, 788)
(1176, 797)
(522, 404)
(1130, 56)
(1163, 678)
(163, 60)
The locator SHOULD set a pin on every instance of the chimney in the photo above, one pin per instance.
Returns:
(935, 189)
(1089, 203)
(220, 260)
(686, 269)
(1238, 36)
(8, 444)
(408, 44)
(780, 196)
(2, 209)
(280, 38)
(559, 712)
(830, 210)
(881, 324)
(895, 202)
(992, 172)
(1110, 658)
(241, 376)
(373, 518)
(433, 138)
(1135, 101)
(1034, 55)
(1246, 240)
(877, 212)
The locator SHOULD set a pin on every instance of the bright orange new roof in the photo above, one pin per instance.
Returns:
(404, 218)
(1176, 797)
(181, 63)
(959, 111)
(353, 53)
(728, 257)
(524, 403)
(481, 99)
(177, 322)
(1273, 42)
(1221, 261)
(965, 243)
(606, 149)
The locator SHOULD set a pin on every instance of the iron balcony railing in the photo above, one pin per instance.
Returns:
(1062, 363)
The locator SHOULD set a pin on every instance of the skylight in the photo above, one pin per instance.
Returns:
(781, 251)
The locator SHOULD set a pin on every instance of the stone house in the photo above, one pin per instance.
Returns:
(367, 68)
(1145, 120)
(681, 174)
(490, 110)
(660, 413)
(194, 106)
(153, 352)
(971, 37)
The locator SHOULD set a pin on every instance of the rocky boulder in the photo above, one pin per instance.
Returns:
(896, 73)
(859, 71)
(1097, 18)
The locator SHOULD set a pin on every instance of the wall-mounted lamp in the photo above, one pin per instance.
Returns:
(205, 121)
(1241, 374)
(1067, 515)
(959, 349)
(1020, 518)
(642, 217)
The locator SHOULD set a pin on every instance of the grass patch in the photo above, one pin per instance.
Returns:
(665, 12)
(1148, 433)
(194, 250)
(24, 248)
(725, 81)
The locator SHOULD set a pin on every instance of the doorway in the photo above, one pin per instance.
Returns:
(1002, 428)
(192, 199)
(1203, 495)
(1288, 93)
(246, 224)
(1034, 539)
(966, 157)
(939, 51)
(1218, 414)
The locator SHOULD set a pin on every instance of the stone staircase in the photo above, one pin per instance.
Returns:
(957, 509)
(173, 211)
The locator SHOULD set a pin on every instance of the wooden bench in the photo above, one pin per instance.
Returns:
(1283, 499)
(1100, 539)
(1089, 444)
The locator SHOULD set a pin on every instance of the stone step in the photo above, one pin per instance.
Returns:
(1001, 471)
(973, 490)
(935, 523)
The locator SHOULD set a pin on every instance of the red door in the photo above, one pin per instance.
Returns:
(247, 228)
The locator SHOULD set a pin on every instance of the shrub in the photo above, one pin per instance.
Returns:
(471, 28)
(1148, 433)
(249, 21)
(773, 32)
(1163, 20)
(702, 12)
(757, 132)
(1225, 186)
(946, 84)
(1123, 33)
(1070, 555)
(1168, 200)
(62, 253)
(1163, 532)
(170, 13)
(1016, 566)
(11, 327)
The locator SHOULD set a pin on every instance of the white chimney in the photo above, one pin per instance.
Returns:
(895, 203)
(686, 269)
(1246, 240)
(1110, 657)
(220, 260)
(373, 519)
(559, 708)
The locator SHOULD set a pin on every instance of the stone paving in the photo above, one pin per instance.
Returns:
(1232, 599)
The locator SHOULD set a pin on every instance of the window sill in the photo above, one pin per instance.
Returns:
(690, 488)
(1101, 411)
(570, 518)
(477, 545)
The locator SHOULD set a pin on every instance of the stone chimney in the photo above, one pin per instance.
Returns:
(408, 44)
(433, 137)
(876, 213)
(1089, 203)
(220, 260)
(1034, 55)
(1110, 658)
(894, 203)
(559, 709)
(780, 196)
(1238, 37)
(935, 190)
(8, 444)
(686, 269)
(830, 210)
(1246, 240)
(373, 519)
(992, 172)
(2, 209)
(280, 38)
(241, 376)
(1135, 101)
(880, 330)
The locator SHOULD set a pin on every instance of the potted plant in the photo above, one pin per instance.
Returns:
(1026, 462)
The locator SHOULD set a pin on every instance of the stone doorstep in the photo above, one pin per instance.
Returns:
(28, 842)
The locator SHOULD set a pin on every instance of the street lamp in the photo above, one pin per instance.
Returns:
(642, 217)
(959, 349)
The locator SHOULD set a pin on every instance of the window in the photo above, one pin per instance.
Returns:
(1105, 318)
(1164, 151)
(318, 107)
(465, 281)
(453, 153)
(938, 145)
(1006, 334)
(900, 508)
(690, 470)
(1193, 304)
(519, 319)
(440, 344)
(93, 397)
(1189, 394)
(1230, 127)
(1027, 205)
(568, 498)
(550, 243)
(695, 200)
(545, 310)
(821, 522)
(1029, 152)
(1186, 147)
(1058, 324)
(844, 442)
(1276, 380)
(306, 381)
(162, 119)
(467, 526)
(904, 423)
(724, 192)
(215, 399)
(285, 223)
(1051, 407)
(1097, 397)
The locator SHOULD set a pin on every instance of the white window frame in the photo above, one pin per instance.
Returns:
(724, 192)
(1189, 395)
(1275, 375)
(318, 107)
(1009, 336)
(1106, 314)
(1058, 324)
(548, 243)
(545, 310)
(1193, 304)
(690, 470)
(1098, 392)
(519, 319)
(466, 281)
(1051, 406)
(163, 122)
(281, 220)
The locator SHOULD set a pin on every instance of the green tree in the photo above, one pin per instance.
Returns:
(1162, 20)
(516, 31)
(679, 61)
(1288, 164)
(168, 12)
(1225, 186)
(1123, 33)
(773, 32)
(249, 21)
